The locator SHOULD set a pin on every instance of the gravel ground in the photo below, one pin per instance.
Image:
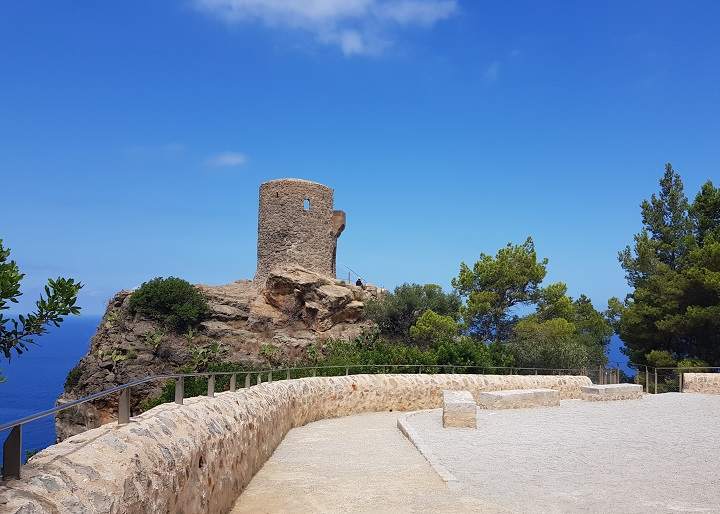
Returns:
(657, 454)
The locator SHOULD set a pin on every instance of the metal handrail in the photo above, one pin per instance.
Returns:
(12, 447)
(107, 392)
(651, 377)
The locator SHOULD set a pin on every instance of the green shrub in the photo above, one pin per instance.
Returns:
(73, 377)
(396, 312)
(432, 329)
(172, 301)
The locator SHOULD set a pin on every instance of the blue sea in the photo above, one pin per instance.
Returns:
(36, 378)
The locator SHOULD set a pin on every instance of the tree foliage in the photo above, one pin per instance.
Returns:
(59, 300)
(673, 268)
(432, 329)
(562, 332)
(495, 285)
(396, 312)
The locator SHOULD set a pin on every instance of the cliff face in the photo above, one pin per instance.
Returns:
(258, 327)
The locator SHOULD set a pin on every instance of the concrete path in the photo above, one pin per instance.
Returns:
(354, 464)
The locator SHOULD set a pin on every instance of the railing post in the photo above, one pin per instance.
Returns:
(347, 370)
(655, 380)
(287, 377)
(247, 380)
(179, 390)
(270, 376)
(12, 454)
(124, 407)
(211, 386)
(647, 380)
(314, 372)
(233, 383)
(680, 381)
(259, 378)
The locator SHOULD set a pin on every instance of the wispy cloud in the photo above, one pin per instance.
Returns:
(492, 72)
(226, 160)
(357, 27)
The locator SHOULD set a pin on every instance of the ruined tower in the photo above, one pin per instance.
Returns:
(297, 225)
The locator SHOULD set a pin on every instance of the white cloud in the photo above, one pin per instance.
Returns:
(492, 71)
(357, 27)
(227, 160)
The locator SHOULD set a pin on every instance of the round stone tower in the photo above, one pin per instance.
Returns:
(297, 225)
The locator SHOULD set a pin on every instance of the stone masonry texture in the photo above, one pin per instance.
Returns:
(708, 383)
(198, 457)
(297, 226)
(458, 409)
(612, 392)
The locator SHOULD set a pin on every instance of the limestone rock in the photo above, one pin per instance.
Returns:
(293, 310)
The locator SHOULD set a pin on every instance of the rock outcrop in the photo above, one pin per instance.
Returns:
(258, 327)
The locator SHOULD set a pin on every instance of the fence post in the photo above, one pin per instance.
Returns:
(259, 378)
(647, 380)
(211, 386)
(655, 380)
(680, 381)
(270, 376)
(314, 372)
(124, 407)
(12, 454)
(233, 384)
(287, 377)
(347, 370)
(179, 390)
(247, 380)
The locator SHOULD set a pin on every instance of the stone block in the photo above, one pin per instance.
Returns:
(518, 399)
(705, 383)
(612, 392)
(459, 409)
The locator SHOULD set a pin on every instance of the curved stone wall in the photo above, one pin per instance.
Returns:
(708, 383)
(198, 457)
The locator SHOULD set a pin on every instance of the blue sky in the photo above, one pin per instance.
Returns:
(134, 135)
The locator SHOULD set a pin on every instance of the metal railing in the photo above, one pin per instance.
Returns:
(666, 379)
(12, 447)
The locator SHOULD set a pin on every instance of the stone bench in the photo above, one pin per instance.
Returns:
(518, 399)
(612, 392)
(459, 409)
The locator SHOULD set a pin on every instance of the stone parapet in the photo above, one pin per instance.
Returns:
(707, 383)
(198, 457)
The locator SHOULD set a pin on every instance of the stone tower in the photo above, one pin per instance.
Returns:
(297, 225)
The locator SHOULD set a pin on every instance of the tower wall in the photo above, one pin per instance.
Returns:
(297, 225)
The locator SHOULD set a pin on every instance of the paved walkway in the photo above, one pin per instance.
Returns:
(657, 454)
(354, 464)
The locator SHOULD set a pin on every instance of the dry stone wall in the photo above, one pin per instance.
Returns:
(708, 383)
(198, 457)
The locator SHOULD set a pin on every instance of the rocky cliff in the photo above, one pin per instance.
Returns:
(257, 327)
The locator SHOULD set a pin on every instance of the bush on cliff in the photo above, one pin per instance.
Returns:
(172, 301)
(396, 312)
